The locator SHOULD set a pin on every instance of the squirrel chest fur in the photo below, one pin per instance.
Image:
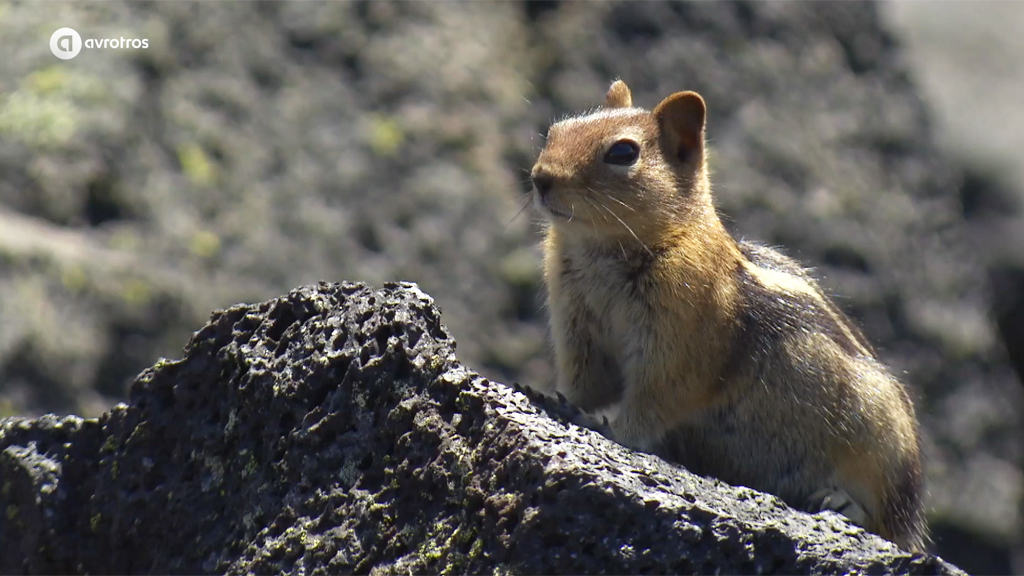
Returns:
(724, 356)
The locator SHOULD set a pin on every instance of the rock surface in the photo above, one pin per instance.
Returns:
(257, 147)
(332, 430)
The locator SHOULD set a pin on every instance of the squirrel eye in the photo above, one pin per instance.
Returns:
(622, 153)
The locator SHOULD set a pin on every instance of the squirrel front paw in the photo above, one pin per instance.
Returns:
(837, 500)
(594, 422)
(556, 403)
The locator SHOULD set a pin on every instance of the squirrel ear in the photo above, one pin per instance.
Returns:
(618, 96)
(681, 119)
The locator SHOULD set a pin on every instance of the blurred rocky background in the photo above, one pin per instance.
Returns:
(254, 147)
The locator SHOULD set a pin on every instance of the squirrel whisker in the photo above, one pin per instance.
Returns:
(529, 200)
(630, 230)
(624, 205)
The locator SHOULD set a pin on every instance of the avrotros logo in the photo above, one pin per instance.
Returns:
(66, 43)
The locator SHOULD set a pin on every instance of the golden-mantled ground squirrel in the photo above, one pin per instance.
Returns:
(724, 356)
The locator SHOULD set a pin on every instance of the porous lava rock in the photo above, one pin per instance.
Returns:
(332, 430)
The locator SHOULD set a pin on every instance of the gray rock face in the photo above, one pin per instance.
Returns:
(332, 430)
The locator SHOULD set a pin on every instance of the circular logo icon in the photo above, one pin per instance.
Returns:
(65, 43)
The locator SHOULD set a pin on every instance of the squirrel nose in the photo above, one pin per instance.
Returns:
(543, 182)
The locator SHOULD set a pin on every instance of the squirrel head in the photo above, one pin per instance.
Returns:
(622, 172)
